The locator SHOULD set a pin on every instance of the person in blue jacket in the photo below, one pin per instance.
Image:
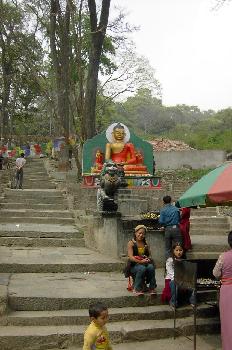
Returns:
(170, 219)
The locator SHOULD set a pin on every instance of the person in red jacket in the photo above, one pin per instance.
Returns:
(185, 227)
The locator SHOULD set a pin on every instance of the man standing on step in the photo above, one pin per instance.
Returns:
(170, 220)
(20, 162)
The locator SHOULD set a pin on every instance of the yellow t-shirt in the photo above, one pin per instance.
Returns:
(141, 251)
(96, 337)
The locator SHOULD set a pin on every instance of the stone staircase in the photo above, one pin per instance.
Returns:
(208, 232)
(208, 229)
(48, 279)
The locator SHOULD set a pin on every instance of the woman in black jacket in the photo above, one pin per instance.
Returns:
(142, 266)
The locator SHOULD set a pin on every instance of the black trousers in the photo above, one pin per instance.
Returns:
(172, 235)
(19, 178)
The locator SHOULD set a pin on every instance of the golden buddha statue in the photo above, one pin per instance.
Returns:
(124, 153)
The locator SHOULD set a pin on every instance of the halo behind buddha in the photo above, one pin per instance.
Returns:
(109, 131)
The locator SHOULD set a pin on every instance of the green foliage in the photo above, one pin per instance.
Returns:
(148, 118)
(143, 112)
(214, 132)
(105, 112)
(186, 175)
(21, 57)
(32, 102)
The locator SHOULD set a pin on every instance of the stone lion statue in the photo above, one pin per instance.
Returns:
(111, 178)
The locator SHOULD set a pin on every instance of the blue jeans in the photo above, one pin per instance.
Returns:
(143, 274)
(192, 298)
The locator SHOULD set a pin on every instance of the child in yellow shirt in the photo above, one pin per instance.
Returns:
(96, 335)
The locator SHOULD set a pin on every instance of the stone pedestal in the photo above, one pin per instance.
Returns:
(109, 234)
(155, 239)
(104, 233)
(110, 238)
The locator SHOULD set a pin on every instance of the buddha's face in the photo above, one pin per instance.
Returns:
(119, 134)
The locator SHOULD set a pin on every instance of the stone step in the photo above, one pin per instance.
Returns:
(36, 181)
(34, 205)
(35, 162)
(81, 317)
(18, 338)
(35, 166)
(41, 235)
(206, 231)
(209, 243)
(61, 259)
(204, 212)
(37, 231)
(38, 193)
(207, 219)
(34, 200)
(220, 226)
(209, 223)
(33, 185)
(35, 169)
(204, 342)
(210, 209)
(35, 177)
(39, 181)
(203, 255)
(30, 230)
(35, 173)
(32, 176)
(38, 220)
(7, 213)
(32, 291)
(40, 242)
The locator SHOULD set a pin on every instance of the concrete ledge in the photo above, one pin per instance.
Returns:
(109, 235)
(4, 282)
(194, 158)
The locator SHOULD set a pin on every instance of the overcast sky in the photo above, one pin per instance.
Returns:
(190, 47)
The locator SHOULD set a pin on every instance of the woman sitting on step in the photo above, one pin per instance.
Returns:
(142, 267)
(171, 292)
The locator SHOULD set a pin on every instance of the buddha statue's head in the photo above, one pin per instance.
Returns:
(118, 132)
(98, 153)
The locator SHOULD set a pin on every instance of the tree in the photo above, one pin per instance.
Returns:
(59, 35)
(21, 57)
(132, 73)
(97, 35)
(219, 3)
(144, 112)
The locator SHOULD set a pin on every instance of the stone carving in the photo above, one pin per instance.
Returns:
(111, 178)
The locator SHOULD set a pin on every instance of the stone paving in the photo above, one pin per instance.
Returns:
(81, 257)
(48, 279)
(204, 342)
(74, 285)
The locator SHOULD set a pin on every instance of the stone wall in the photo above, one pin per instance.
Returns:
(5, 177)
(109, 235)
(191, 158)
